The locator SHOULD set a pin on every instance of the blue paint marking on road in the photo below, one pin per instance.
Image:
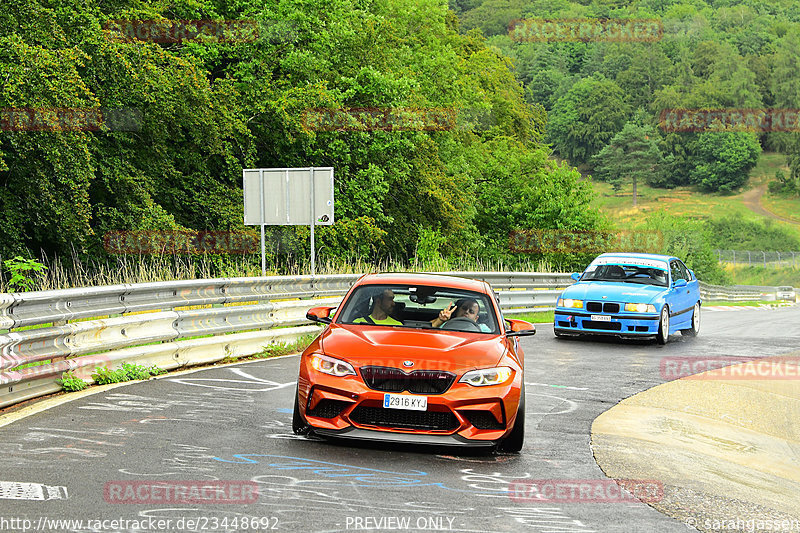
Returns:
(285, 410)
(368, 477)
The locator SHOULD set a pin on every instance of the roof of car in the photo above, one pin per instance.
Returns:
(654, 257)
(423, 279)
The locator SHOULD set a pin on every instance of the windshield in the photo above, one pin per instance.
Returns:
(627, 273)
(419, 306)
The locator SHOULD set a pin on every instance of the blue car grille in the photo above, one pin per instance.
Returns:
(602, 307)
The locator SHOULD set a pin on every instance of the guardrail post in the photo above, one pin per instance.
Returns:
(765, 258)
(749, 262)
(734, 258)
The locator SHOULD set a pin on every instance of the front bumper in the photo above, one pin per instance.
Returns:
(462, 416)
(624, 325)
(355, 433)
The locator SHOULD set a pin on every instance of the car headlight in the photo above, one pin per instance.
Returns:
(487, 376)
(640, 308)
(569, 302)
(331, 365)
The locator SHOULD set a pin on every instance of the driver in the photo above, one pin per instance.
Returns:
(382, 306)
(464, 308)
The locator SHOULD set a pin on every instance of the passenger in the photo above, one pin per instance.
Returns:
(466, 308)
(382, 306)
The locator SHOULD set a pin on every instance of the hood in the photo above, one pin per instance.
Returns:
(429, 349)
(614, 291)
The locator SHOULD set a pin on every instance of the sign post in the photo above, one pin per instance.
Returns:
(288, 197)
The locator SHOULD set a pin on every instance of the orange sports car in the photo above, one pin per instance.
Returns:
(415, 358)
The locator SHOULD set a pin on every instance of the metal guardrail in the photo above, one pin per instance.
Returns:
(182, 323)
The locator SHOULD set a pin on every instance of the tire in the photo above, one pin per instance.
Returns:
(299, 425)
(695, 329)
(513, 443)
(663, 326)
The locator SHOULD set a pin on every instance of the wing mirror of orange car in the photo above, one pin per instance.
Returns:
(320, 314)
(519, 328)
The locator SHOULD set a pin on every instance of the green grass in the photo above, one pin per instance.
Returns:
(784, 207)
(690, 203)
(742, 304)
(769, 277)
(536, 318)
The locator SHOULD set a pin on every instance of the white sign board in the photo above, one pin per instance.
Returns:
(288, 196)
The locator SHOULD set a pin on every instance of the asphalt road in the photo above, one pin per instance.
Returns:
(233, 424)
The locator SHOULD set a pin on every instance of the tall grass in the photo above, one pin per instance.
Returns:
(74, 272)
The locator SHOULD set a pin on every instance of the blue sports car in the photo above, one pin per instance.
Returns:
(631, 295)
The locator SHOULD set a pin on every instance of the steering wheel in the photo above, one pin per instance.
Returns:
(461, 323)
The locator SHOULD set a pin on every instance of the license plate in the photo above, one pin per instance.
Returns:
(601, 318)
(402, 401)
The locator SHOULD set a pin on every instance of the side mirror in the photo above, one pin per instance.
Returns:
(576, 276)
(320, 314)
(679, 283)
(520, 328)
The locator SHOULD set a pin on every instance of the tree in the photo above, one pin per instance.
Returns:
(723, 160)
(586, 118)
(632, 154)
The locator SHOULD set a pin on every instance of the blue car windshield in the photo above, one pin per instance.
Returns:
(647, 275)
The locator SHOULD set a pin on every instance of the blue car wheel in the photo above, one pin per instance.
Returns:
(663, 326)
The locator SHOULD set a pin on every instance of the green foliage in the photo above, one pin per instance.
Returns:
(723, 160)
(784, 185)
(587, 118)
(632, 154)
(20, 270)
(690, 241)
(428, 245)
(70, 382)
(127, 372)
(204, 110)
(274, 350)
(736, 233)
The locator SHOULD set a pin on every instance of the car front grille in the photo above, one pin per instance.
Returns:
(602, 307)
(387, 379)
(404, 419)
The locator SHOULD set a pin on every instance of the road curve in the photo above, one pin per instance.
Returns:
(233, 423)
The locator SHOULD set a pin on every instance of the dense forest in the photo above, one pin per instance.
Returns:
(599, 95)
(532, 117)
(209, 109)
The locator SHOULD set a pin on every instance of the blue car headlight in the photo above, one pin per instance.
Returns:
(569, 302)
(640, 308)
